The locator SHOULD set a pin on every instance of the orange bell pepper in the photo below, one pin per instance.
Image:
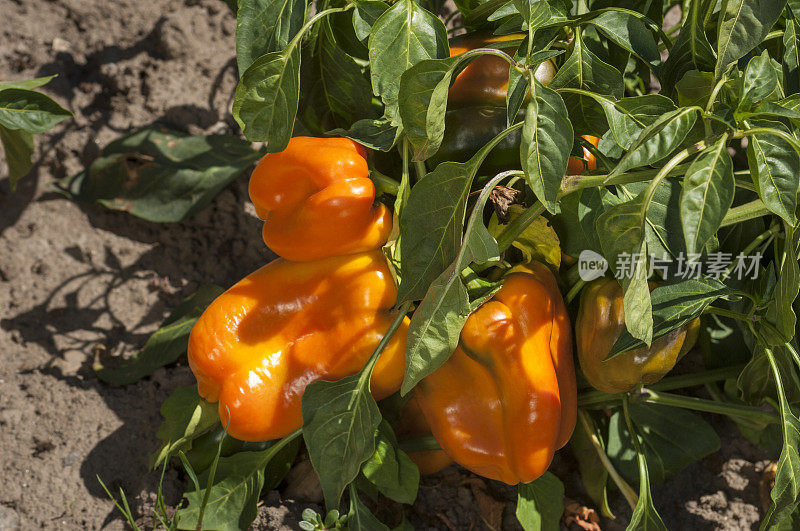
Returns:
(506, 399)
(259, 344)
(317, 201)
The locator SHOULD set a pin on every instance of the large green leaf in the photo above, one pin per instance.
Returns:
(390, 469)
(629, 32)
(29, 111)
(576, 224)
(785, 493)
(691, 50)
(658, 140)
(540, 503)
(264, 26)
(235, 492)
(346, 88)
(672, 439)
(432, 221)
(167, 344)
(791, 54)
(436, 324)
(18, 147)
(781, 310)
(186, 416)
(760, 80)
(546, 144)
(621, 229)
(775, 169)
(585, 70)
(339, 423)
(266, 99)
(742, 26)
(375, 134)
(28, 84)
(708, 189)
(423, 103)
(161, 175)
(360, 518)
(403, 35)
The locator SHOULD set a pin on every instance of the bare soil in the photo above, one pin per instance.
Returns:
(79, 281)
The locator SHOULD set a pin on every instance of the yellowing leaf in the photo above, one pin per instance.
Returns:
(537, 242)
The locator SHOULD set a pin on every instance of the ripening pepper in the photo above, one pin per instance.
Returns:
(317, 200)
(601, 320)
(476, 104)
(506, 399)
(259, 344)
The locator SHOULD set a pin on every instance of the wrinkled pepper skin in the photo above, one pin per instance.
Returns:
(506, 400)
(259, 344)
(412, 423)
(317, 201)
(600, 322)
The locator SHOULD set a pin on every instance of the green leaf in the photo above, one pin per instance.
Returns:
(628, 117)
(235, 492)
(708, 189)
(537, 242)
(780, 312)
(540, 503)
(360, 518)
(390, 469)
(629, 32)
(432, 221)
(161, 175)
(663, 231)
(18, 147)
(791, 54)
(346, 88)
(672, 439)
(29, 111)
(756, 381)
(658, 140)
(691, 50)
(167, 344)
(621, 229)
(775, 169)
(375, 134)
(365, 14)
(28, 84)
(694, 88)
(339, 423)
(535, 13)
(403, 35)
(266, 99)
(576, 225)
(584, 70)
(436, 324)
(645, 517)
(423, 103)
(264, 26)
(743, 25)
(759, 81)
(674, 305)
(546, 145)
(186, 416)
(785, 493)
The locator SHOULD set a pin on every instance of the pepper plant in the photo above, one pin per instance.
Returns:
(694, 197)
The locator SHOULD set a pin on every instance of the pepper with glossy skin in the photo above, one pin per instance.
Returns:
(259, 344)
(601, 320)
(476, 105)
(506, 400)
(317, 200)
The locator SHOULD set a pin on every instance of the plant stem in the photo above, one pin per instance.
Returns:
(398, 319)
(574, 290)
(419, 165)
(630, 495)
(424, 443)
(598, 398)
(709, 406)
(724, 312)
(518, 225)
(753, 209)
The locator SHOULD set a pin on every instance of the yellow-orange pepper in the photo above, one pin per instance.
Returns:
(257, 346)
(601, 320)
(317, 201)
(506, 399)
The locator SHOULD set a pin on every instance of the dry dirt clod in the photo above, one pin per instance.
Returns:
(580, 515)
(491, 509)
